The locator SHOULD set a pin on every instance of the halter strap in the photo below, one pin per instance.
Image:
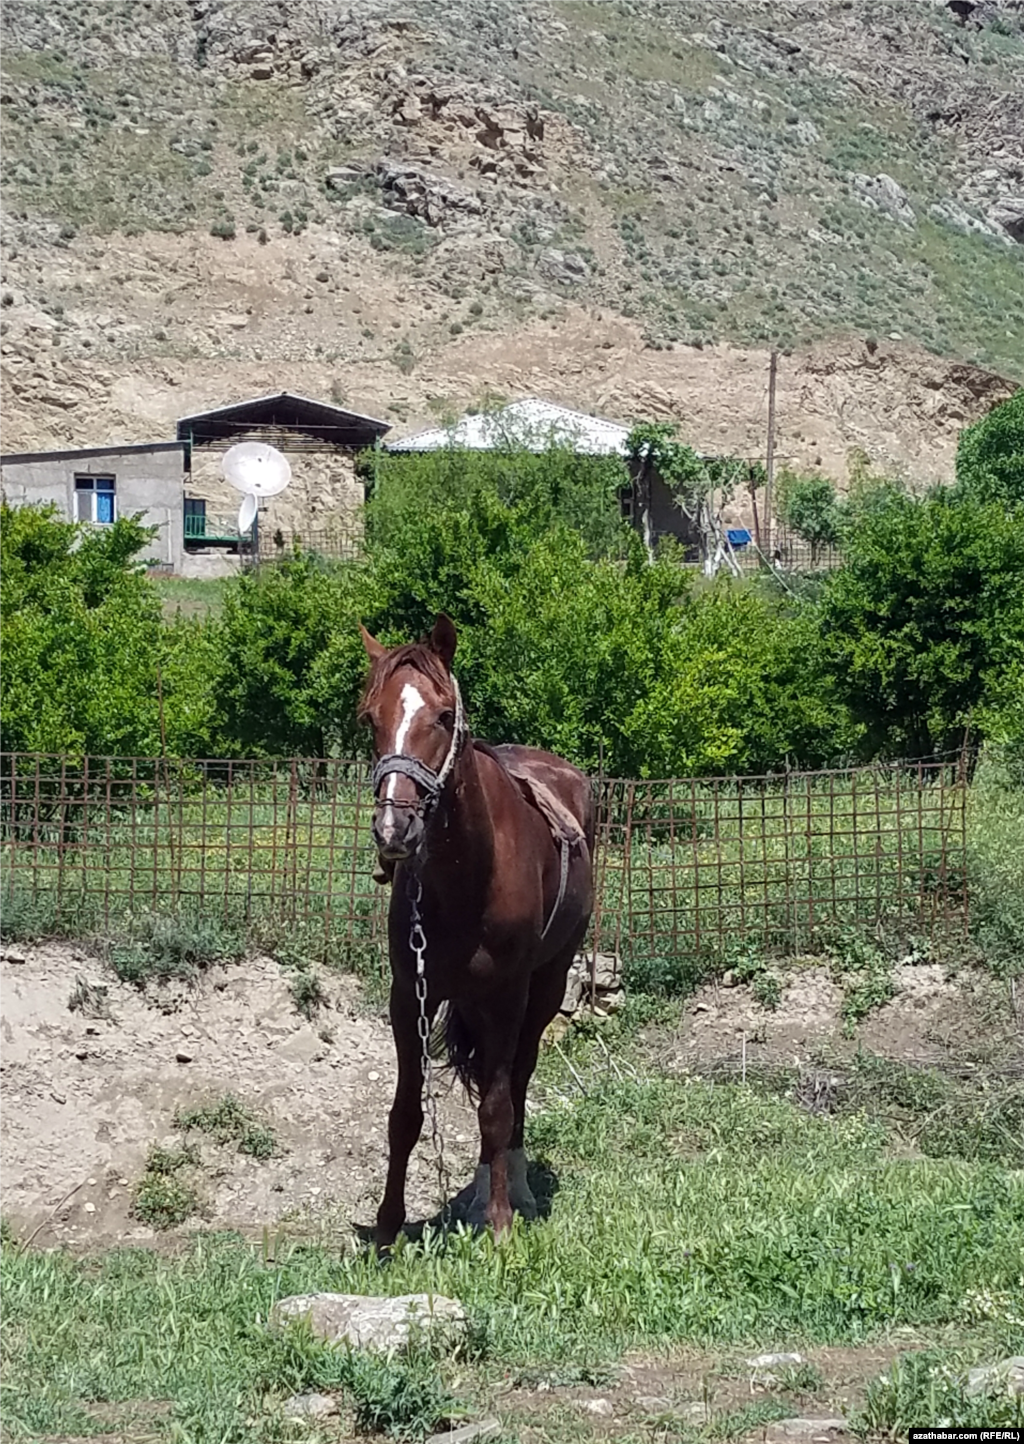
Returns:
(431, 782)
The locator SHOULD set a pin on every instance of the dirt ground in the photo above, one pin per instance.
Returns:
(84, 1098)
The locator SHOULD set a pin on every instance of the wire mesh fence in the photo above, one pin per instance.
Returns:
(685, 867)
(705, 866)
(343, 540)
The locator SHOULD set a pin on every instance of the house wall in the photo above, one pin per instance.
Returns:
(146, 482)
(666, 518)
(323, 498)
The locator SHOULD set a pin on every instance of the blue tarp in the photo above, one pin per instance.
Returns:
(738, 536)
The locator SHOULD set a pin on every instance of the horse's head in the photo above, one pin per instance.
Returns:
(412, 703)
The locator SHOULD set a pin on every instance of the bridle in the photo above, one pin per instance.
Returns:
(430, 783)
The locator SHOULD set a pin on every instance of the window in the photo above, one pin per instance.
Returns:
(95, 499)
(626, 503)
(195, 517)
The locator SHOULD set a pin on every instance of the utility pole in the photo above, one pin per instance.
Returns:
(769, 464)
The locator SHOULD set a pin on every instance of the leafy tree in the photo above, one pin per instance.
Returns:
(701, 486)
(925, 619)
(81, 636)
(555, 485)
(739, 687)
(809, 506)
(276, 629)
(990, 455)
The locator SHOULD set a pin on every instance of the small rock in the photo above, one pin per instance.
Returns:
(775, 1361)
(601, 1407)
(811, 1430)
(309, 1406)
(58, 1097)
(653, 1404)
(573, 992)
(484, 1430)
(182, 1057)
(368, 1322)
(1004, 1378)
(88, 1208)
(729, 979)
(12, 956)
(373, 1077)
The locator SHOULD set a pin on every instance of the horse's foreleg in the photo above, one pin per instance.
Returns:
(406, 1117)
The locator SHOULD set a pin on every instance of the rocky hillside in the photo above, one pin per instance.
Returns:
(206, 198)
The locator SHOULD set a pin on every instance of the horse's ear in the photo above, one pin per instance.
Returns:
(374, 650)
(443, 639)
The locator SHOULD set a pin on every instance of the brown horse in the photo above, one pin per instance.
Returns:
(492, 847)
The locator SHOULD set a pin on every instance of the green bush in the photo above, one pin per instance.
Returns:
(81, 636)
(549, 486)
(925, 621)
(990, 455)
(279, 627)
(809, 506)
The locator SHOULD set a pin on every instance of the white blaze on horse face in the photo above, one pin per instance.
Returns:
(411, 704)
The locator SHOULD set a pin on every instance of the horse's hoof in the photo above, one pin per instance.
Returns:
(384, 1237)
(502, 1226)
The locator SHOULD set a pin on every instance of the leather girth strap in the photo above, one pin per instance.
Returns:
(566, 830)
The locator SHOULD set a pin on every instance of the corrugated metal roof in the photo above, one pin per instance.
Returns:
(531, 423)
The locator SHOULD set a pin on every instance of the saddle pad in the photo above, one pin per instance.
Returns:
(527, 774)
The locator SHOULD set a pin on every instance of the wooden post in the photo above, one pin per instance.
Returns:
(752, 488)
(769, 464)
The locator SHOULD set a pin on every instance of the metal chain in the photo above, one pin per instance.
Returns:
(418, 947)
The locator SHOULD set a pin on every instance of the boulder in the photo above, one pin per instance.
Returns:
(1008, 214)
(882, 193)
(1006, 1377)
(367, 1322)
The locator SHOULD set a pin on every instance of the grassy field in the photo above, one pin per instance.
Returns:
(190, 596)
(681, 1216)
(679, 1213)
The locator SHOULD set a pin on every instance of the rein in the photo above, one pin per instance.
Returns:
(431, 783)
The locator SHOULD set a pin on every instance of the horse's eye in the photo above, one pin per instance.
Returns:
(447, 719)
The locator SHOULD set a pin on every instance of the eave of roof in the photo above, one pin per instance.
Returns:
(321, 416)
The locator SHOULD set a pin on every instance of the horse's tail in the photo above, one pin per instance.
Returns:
(450, 1036)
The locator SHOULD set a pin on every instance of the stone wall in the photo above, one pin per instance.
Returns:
(324, 497)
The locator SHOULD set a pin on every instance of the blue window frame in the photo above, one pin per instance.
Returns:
(95, 499)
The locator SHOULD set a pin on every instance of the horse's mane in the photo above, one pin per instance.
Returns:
(414, 654)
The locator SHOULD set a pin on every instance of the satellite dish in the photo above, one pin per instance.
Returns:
(256, 470)
(247, 513)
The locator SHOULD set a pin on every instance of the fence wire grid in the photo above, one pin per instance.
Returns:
(684, 867)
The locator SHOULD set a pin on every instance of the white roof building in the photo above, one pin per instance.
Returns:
(531, 423)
